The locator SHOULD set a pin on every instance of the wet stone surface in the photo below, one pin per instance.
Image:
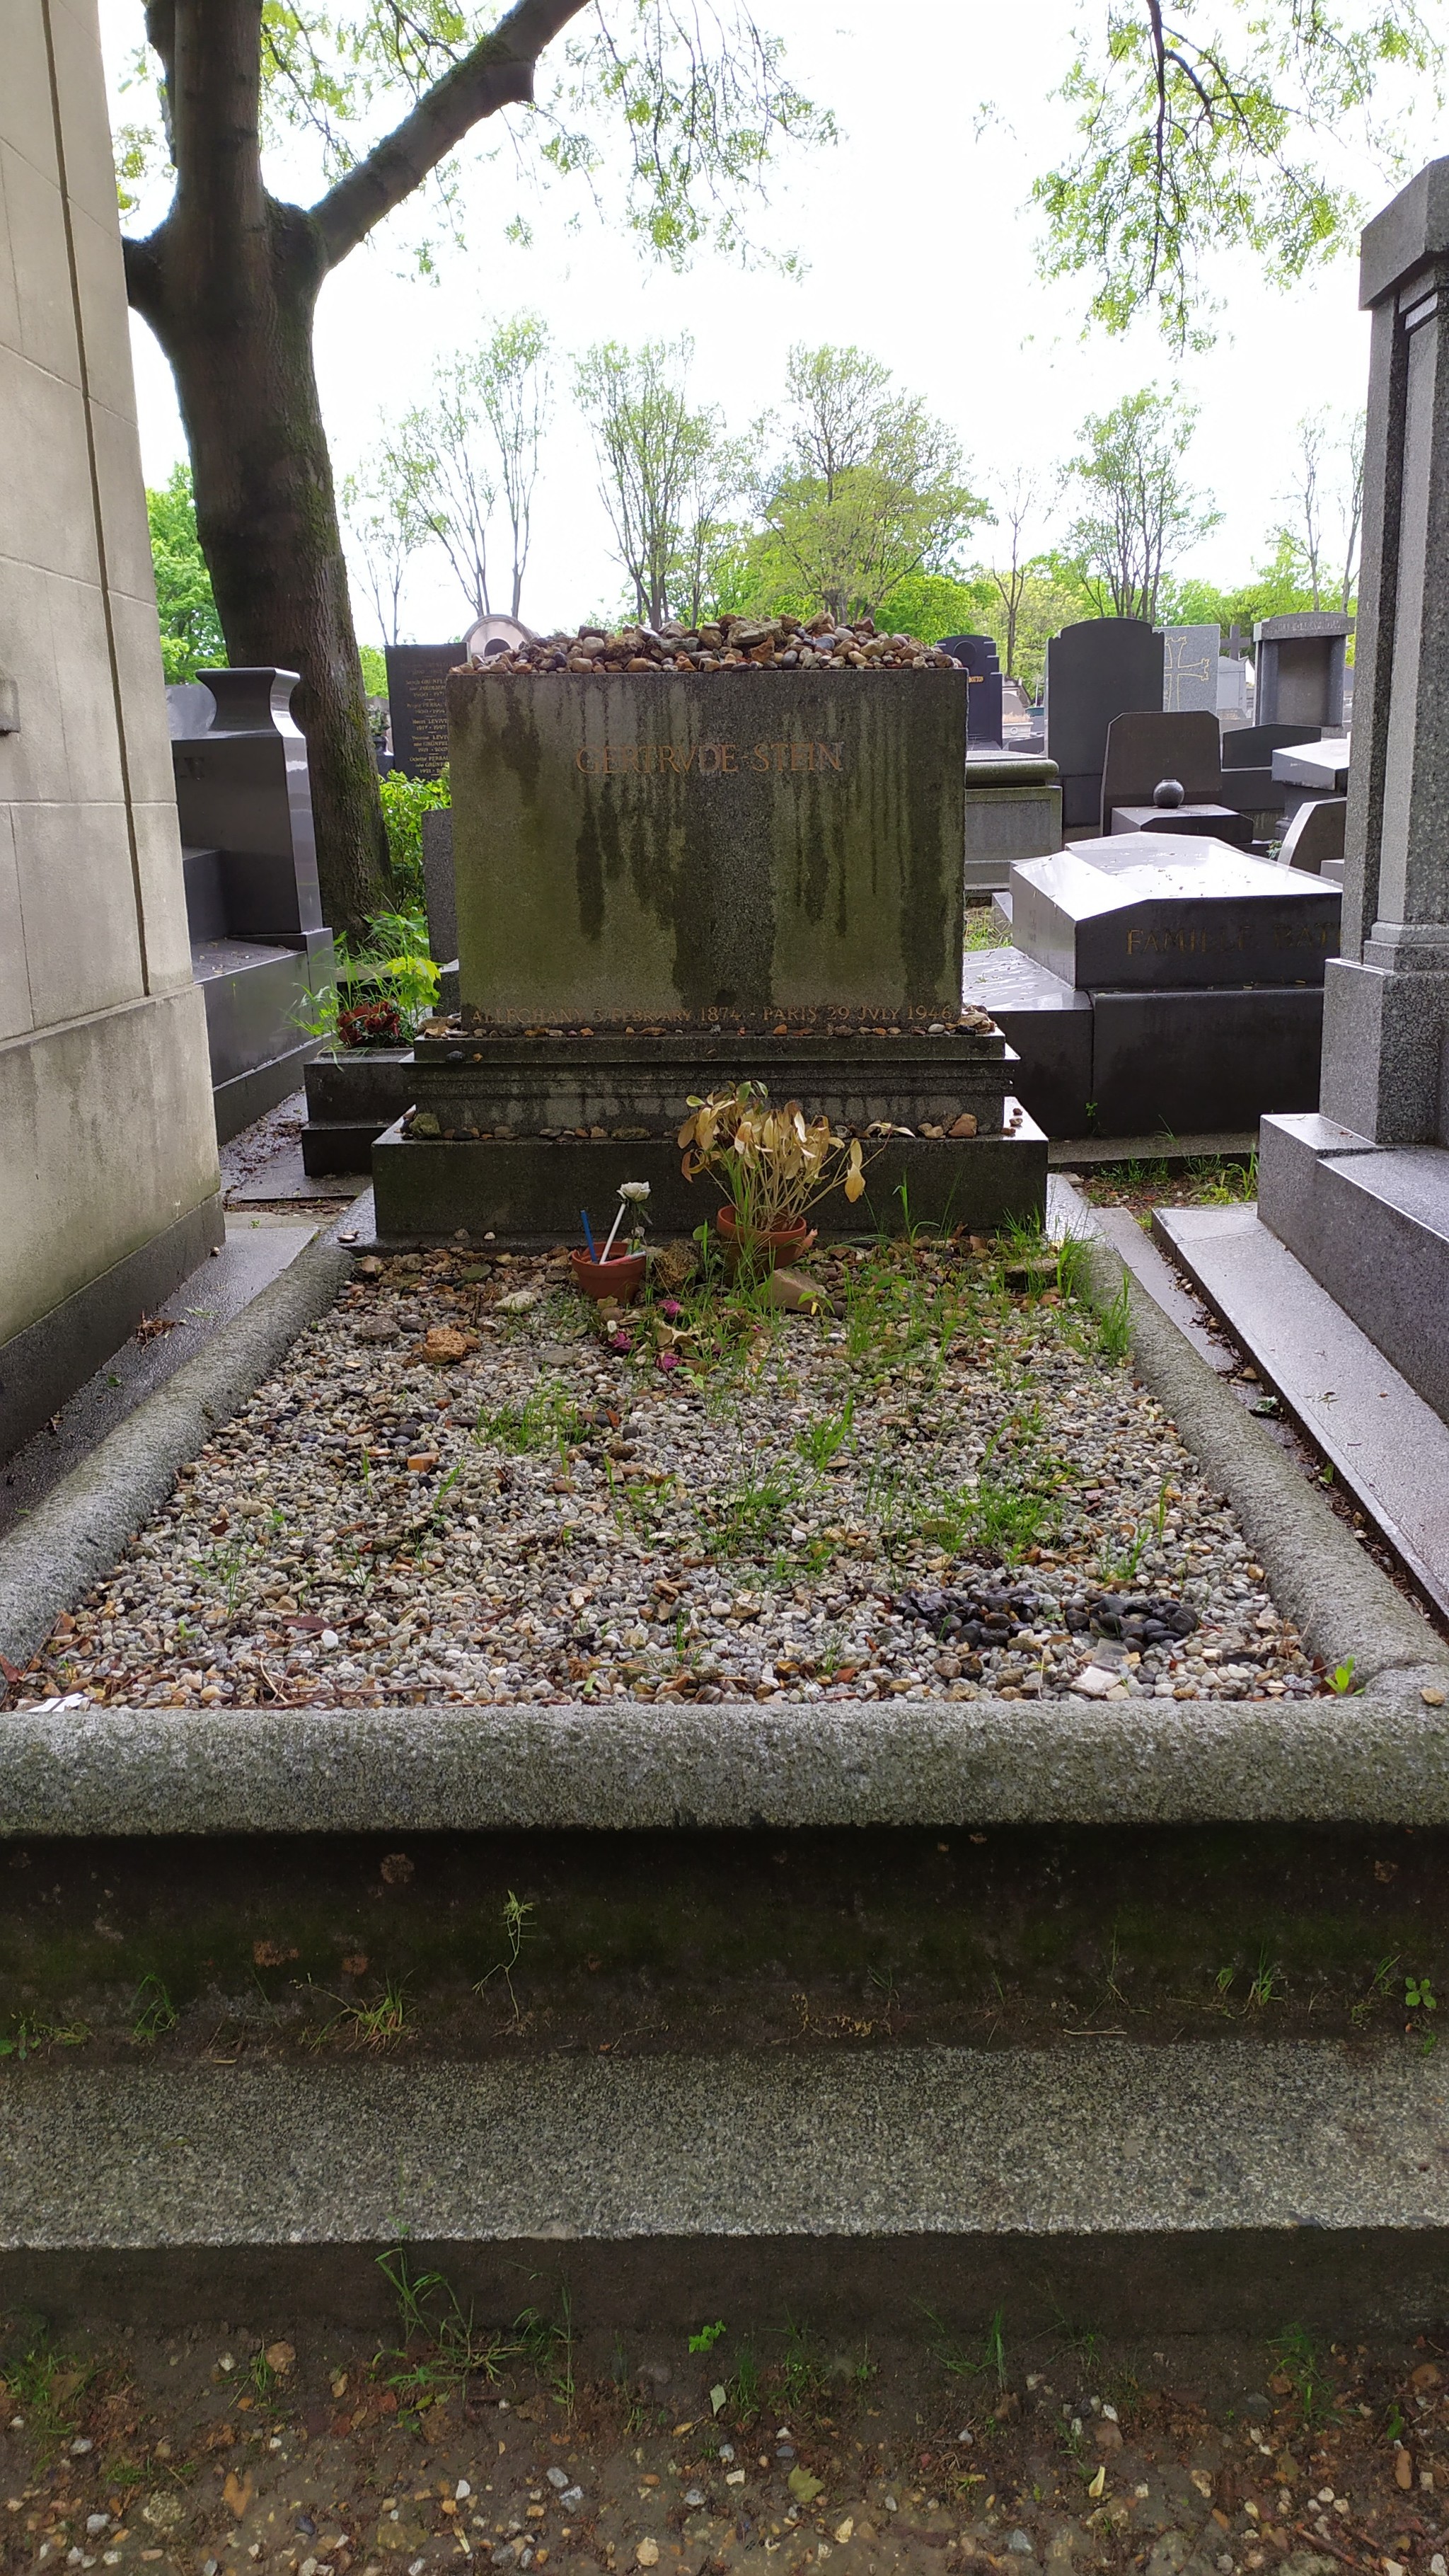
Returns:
(465, 1484)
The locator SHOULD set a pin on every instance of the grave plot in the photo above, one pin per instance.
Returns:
(466, 1485)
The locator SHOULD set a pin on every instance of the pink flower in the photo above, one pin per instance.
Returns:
(668, 1360)
(671, 1310)
(621, 1342)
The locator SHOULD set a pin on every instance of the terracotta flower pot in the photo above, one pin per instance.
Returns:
(765, 1247)
(621, 1277)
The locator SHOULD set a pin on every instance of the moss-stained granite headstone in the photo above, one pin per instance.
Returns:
(671, 850)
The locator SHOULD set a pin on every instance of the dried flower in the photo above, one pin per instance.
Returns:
(667, 1360)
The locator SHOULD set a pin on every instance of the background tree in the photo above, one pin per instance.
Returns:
(1018, 501)
(515, 388)
(191, 636)
(388, 526)
(1222, 130)
(1326, 500)
(441, 453)
(869, 492)
(229, 278)
(1139, 514)
(664, 469)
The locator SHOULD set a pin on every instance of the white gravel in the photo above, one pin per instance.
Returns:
(553, 1518)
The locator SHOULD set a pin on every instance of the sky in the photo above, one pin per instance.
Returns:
(917, 239)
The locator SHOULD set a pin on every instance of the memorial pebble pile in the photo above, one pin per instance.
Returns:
(780, 643)
(461, 1485)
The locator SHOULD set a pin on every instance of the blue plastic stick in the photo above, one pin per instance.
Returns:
(588, 1234)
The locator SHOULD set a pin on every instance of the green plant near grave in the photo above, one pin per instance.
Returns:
(547, 2344)
(804, 2376)
(1419, 1995)
(404, 803)
(153, 2013)
(1380, 1987)
(1114, 1325)
(985, 2360)
(707, 2337)
(41, 2386)
(1216, 1183)
(515, 1932)
(1119, 1565)
(824, 1438)
(29, 2033)
(382, 989)
(748, 1516)
(547, 1419)
(1301, 2364)
(440, 2346)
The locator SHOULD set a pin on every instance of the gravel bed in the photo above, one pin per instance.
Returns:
(465, 1484)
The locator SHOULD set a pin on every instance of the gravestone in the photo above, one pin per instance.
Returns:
(1233, 678)
(1300, 667)
(1095, 671)
(249, 861)
(984, 702)
(667, 882)
(1145, 748)
(417, 678)
(1361, 1194)
(1314, 838)
(1247, 781)
(1143, 910)
(1201, 970)
(755, 846)
(1190, 669)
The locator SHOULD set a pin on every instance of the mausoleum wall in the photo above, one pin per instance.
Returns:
(108, 1166)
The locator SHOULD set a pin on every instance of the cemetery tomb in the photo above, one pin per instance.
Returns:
(1360, 1195)
(1300, 668)
(1013, 811)
(984, 697)
(417, 676)
(1098, 669)
(1160, 984)
(1146, 747)
(1190, 668)
(668, 878)
(259, 946)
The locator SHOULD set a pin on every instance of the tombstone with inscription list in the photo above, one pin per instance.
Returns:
(417, 680)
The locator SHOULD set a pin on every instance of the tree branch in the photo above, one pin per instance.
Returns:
(498, 72)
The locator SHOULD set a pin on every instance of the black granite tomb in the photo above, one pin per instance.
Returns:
(417, 676)
(1095, 671)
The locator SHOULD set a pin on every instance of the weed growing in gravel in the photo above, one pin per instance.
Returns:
(1380, 1988)
(986, 2360)
(41, 2386)
(1260, 1992)
(1119, 1565)
(1301, 2367)
(153, 2013)
(804, 2377)
(430, 2315)
(743, 1518)
(1114, 1326)
(515, 1932)
(1219, 1184)
(547, 2344)
(30, 2032)
(824, 1438)
(547, 1418)
(374, 2025)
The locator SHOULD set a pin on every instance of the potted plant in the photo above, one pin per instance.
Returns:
(619, 1275)
(773, 1165)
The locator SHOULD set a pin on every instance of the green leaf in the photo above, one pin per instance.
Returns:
(803, 2487)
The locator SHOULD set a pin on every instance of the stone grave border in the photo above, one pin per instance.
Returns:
(1380, 1755)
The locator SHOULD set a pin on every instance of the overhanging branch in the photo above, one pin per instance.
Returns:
(498, 72)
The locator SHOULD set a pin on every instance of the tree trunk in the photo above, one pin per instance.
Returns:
(266, 515)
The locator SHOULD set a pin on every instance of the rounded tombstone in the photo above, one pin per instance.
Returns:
(491, 636)
(1168, 792)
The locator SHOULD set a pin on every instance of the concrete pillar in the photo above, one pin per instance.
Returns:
(1386, 1018)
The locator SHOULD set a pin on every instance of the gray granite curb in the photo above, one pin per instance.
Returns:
(1089, 2136)
(1342, 1606)
(1379, 1758)
(50, 1559)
